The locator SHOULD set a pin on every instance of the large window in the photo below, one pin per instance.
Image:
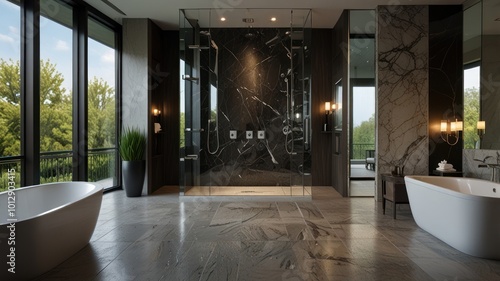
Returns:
(56, 83)
(471, 105)
(363, 120)
(58, 93)
(10, 92)
(101, 104)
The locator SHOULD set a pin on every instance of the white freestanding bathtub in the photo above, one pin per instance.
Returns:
(54, 221)
(462, 212)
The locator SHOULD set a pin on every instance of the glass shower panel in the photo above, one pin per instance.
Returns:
(300, 106)
(246, 106)
(190, 105)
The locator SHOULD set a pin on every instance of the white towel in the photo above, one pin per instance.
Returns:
(446, 170)
(445, 166)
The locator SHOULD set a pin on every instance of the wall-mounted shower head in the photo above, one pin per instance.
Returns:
(273, 40)
(288, 72)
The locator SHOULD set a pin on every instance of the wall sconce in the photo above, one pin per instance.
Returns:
(157, 126)
(451, 133)
(329, 108)
(481, 128)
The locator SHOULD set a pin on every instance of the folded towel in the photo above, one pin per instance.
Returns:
(446, 170)
(445, 166)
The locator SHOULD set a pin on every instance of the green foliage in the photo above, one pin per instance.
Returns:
(365, 132)
(471, 116)
(56, 107)
(363, 138)
(182, 139)
(102, 121)
(10, 110)
(6, 177)
(132, 144)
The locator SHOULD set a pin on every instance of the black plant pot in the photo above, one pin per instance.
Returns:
(133, 177)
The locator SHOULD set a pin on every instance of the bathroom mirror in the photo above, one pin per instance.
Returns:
(482, 73)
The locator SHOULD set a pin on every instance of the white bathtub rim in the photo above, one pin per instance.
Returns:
(414, 179)
(96, 189)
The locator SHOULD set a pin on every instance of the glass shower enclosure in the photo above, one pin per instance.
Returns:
(245, 102)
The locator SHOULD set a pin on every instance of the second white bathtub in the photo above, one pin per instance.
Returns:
(462, 212)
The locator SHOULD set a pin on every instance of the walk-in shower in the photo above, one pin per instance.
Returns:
(245, 102)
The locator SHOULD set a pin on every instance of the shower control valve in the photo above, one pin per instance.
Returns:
(233, 134)
(249, 135)
(261, 134)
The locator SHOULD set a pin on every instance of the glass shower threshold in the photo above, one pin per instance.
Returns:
(249, 191)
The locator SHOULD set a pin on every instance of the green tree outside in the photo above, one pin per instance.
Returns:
(55, 117)
(363, 138)
(471, 116)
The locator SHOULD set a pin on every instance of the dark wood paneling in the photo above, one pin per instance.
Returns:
(341, 71)
(445, 80)
(321, 89)
(171, 110)
(158, 90)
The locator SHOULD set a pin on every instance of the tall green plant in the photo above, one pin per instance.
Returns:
(132, 144)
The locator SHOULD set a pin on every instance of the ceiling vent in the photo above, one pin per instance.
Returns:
(248, 20)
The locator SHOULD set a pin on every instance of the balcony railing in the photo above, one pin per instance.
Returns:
(10, 164)
(57, 166)
(359, 150)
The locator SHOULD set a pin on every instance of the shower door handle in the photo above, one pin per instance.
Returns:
(191, 157)
(306, 130)
(194, 130)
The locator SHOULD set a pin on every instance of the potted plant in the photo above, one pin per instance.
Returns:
(132, 149)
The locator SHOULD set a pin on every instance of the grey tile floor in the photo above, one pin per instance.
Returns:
(163, 237)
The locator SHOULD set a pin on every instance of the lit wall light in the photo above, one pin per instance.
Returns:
(450, 131)
(156, 112)
(327, 107)
(481, 128)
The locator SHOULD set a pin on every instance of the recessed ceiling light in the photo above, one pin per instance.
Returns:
(223, 19)
(273, 19)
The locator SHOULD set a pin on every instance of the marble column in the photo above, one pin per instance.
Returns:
(402, 89)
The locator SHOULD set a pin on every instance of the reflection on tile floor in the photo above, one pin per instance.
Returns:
(164, 237)
(362, 188)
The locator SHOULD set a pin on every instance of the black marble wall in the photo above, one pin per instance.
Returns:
(251, 74)
(445, 81)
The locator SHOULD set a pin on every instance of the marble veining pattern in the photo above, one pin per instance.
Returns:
(402, 83)
(345, 239)
(254, 78)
